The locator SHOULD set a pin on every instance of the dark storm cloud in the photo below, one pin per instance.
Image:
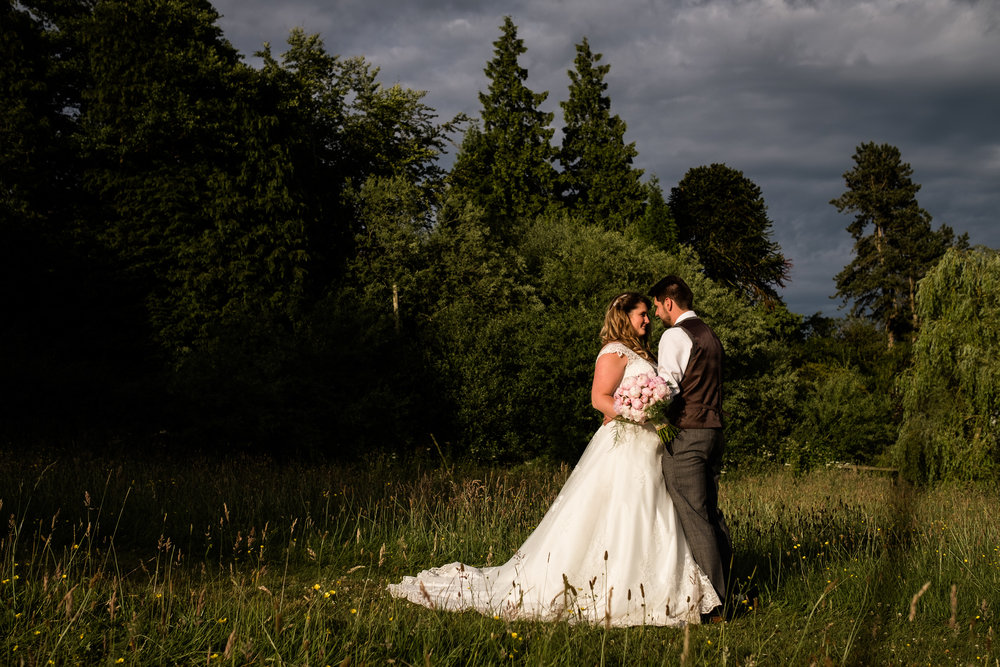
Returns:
(782, 90)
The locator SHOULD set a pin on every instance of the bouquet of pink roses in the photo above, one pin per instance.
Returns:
(645, 398)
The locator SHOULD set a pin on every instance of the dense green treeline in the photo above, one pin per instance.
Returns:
(204, 253)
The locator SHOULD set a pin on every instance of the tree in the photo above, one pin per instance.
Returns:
(894, 245)
(338, 127)
(721, 214)
(656, 226)
(506, 166)
(41, 75)
(951, 393)
(598, 183)
(34, 132)
(395, 218)
(840, 419)
(76, 334)
(196, 196)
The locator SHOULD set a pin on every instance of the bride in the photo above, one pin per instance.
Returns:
(610, 549)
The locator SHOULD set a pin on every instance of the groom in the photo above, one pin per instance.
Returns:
(690, 358)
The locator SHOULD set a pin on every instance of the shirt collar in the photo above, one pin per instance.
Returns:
(687, 315)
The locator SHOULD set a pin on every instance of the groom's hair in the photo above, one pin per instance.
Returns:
(675, 289)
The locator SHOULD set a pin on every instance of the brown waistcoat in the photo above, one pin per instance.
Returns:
(699, 404)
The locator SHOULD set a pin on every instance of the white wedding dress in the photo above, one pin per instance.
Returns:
(610, 549)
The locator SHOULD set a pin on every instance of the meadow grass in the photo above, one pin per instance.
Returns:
(245, 561)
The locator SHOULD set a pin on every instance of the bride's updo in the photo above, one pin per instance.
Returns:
(618, 328)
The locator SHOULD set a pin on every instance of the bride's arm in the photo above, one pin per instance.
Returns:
(607, 376)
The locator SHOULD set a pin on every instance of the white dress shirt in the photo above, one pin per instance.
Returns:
(674, 352)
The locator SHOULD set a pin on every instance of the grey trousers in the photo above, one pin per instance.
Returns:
(691, 467)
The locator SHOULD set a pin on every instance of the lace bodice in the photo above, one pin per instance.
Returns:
(636, 364)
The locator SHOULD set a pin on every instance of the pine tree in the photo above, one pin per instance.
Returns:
(656, 226)
(721, 214)
(894, 245)
(598, 183)
(505, 167)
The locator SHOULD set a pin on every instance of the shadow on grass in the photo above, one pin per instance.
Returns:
(798, 541)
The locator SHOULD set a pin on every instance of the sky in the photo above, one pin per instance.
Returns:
(782, 90)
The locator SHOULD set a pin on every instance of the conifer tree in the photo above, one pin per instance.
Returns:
(598, 183)
(505, 167)
(656, 226)
(721, 214)
(894, 245)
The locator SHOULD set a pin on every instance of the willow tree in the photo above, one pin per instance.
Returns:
(951, 394)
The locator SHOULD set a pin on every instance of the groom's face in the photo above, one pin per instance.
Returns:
(663, 310)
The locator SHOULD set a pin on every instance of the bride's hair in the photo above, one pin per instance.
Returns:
(618, 328)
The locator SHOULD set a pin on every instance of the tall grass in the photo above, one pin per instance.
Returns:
(249, 562)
